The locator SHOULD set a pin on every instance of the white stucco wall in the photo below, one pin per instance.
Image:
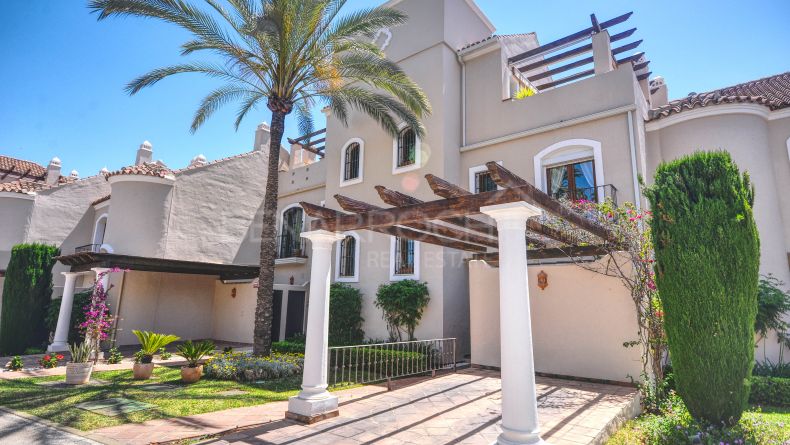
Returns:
(15, 211)
(179, 304)
(233, 319)
(579, 322)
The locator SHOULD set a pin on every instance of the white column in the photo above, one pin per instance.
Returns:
(314, 402)
(519, 402)
(61, 340)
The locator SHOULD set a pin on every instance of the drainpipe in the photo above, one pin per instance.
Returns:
(637, 191)
(463, 99)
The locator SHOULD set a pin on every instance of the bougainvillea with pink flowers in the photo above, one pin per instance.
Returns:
(630, 258)
(98, 320)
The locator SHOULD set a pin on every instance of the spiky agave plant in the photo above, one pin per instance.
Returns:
(294, 55)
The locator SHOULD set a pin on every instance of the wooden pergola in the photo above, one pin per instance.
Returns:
(521, 229)
(448, 222)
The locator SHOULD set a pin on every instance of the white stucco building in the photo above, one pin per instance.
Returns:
(190, 236)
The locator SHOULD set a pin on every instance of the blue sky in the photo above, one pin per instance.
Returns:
(62, 72)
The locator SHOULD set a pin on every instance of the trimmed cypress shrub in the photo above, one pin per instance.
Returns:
(27, 291)
(345, 315)
(707, 259)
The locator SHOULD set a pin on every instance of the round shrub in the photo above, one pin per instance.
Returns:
(402, 304)
(707, 259)
(345, 315)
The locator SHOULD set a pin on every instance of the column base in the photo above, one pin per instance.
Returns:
(312, 410)
(511, 437)
(58, 347)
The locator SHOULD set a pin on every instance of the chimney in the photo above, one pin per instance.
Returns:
(262, 136)
(197, 161)
(74, 174)
(144, 154)
(659, 94)
(53, 171)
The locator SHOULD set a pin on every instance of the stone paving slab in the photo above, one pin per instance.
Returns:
(114, 406)
(459, 408)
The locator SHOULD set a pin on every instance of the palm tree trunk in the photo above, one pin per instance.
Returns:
(262, 338)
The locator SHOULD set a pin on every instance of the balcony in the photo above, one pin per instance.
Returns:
(290, 249)
(599, 193)
(95, 248)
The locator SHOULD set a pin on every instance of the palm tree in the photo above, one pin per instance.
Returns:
(294, 55)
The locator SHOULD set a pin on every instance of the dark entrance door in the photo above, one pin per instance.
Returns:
(277, 305)
(294, 319)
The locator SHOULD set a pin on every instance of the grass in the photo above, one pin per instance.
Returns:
(58, 404)
(758, 426)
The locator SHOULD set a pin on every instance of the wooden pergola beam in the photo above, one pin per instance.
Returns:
(549, 253)
(306, 137)
(447, 189)
(398, 199)
(573, 52)
(315, 211)
(355, 206)
(505, 178)
(568, 40)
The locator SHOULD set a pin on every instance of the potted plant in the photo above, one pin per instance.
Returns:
(78, 370)
(192, 353)
(150, 342)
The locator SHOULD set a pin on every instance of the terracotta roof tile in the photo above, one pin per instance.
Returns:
(772, 91)
(20, 186)
(491, 37)
(147, 169)
(20, 166)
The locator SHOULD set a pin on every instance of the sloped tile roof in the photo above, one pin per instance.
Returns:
(772, 91)
(20, 166)
(491, 37)
(147, 169)
(20, 186)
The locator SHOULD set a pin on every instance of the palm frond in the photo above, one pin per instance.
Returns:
(214, 101)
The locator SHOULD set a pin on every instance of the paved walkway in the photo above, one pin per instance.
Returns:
(16, 429)
(461, 408)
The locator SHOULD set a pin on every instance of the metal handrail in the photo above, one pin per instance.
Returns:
(371, 363)
(290, 246)
(585, 193)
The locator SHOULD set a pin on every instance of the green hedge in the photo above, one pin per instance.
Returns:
(345, 315)
(707, 259)
(773, 391)
(81, 300)
(288, 347)
(27, 291)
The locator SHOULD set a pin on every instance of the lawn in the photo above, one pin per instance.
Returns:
(758, 426)
(58, 404)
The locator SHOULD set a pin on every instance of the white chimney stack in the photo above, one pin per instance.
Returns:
(659, 94)
(197, 161)
(74, 174)
(144, 154)
(53, 171)
(262, 136)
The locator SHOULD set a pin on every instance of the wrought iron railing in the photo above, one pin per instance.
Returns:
(88, 248)
(290, 246)
(588, 193)
(360, 364)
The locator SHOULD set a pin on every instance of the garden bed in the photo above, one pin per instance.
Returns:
(171, 398)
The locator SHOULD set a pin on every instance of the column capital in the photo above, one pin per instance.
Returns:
(322, 238)
(99, 270)
(70, 274)
(511, 211)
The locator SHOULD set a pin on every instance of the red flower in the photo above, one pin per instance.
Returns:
(659, 314)
(59, 357)
(46, 357)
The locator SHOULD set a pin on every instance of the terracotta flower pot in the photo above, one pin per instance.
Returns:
(78, 373)
(191, 375)
(142, 371)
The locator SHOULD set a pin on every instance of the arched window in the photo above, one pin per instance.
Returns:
(352, 157)
(405, 151)
(98, 231)
(407, 147)
(404, 259)
(572, 169)
(347, 264)
(290, 242)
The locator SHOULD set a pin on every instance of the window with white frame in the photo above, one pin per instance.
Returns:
(404, 259)
(290, 242)
(574, 181)
(406, 151)
(347, 259)
(480, 179)
(352, 157)
(571, 169)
